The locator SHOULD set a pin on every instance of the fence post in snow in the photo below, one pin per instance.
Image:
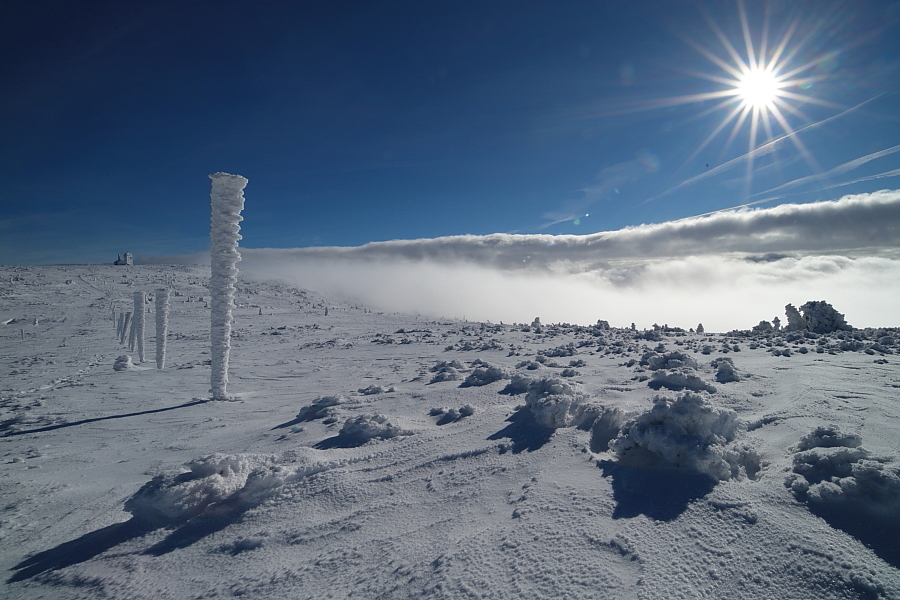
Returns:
(227, 202)
(162, 326)
(126, 329)
(139, 301)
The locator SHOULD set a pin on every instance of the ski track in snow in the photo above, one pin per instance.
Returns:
(486, 505)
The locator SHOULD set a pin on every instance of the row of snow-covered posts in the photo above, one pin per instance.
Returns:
(132, 325)
(227, 202)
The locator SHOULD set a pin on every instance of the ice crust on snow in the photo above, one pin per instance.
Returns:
(686, 432)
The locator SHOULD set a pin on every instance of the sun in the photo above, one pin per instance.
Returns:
(759, 89)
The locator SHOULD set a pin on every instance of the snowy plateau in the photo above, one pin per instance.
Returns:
(374, 455)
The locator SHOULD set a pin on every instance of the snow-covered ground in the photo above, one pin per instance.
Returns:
(374, 455)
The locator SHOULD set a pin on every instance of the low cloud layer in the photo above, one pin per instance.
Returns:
(727, 270)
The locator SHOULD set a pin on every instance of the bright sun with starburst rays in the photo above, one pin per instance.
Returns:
(758, 89)
(760, 86)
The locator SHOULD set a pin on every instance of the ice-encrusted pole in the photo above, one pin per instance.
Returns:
(140, 298)
(227, 202)
(126, 324)
(162, 326)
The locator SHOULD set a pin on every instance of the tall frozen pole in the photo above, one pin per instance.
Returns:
(162, 326)
(227, 201)
(140, 298)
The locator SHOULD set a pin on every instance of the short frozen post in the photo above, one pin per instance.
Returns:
(126, 324)
(140, 299)
(227, 201)
(162, 326)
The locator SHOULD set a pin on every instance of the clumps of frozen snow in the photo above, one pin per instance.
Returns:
(484, 376)
(832, 470)
(828, 436)
(451, 415)
(322, 407)
(669, 360)
(567, 350)
(556, 403)
(679, 379)
(517, 385)
(687, 432)
(219, 484)
(725, 370)
(363, 428)
(371, 390)
(123, 363)
(447, 371)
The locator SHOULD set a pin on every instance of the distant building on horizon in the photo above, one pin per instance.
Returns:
(128, 260)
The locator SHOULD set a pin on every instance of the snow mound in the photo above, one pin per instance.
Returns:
(556, 403)
(517, 385)
(828, 436)
(217, 485)
(322, 407)
(687, 432)
(447, 371)
(366, 427)
(484, 376)
(123, 363)
(669, 360)
(567, 350)
(679, 379)
(373, 389)
(836, 472)
(725, 370)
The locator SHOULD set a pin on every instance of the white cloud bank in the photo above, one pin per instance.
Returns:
(727, 270)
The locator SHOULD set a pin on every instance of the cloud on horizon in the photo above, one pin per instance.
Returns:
(728, 269)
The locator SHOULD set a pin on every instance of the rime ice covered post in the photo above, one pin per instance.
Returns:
(227, 201)
(162, 326)
(140, 298)
(126, 323)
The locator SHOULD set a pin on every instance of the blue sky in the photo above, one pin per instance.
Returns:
(371, 121)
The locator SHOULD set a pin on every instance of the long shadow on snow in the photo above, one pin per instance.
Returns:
(880, 535)
(95, 419)
(340, 441)
(660, 493)
(524, 432)
(185, 533)
(80, 550)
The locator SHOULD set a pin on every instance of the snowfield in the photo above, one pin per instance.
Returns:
(373, 455)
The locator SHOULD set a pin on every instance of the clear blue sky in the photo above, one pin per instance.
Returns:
(369, 121)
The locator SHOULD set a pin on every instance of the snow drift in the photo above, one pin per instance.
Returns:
(220, 484)
(687, 432)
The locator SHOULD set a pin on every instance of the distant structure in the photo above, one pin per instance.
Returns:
(128, 260)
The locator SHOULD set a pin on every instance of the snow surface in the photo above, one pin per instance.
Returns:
(378, 455)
